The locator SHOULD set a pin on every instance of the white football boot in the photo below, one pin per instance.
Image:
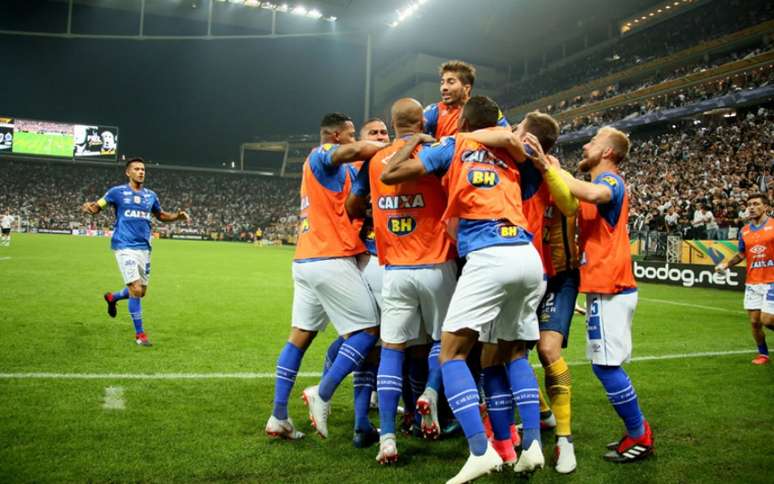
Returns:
(477, 466)
(531, 459)
(565, 456)
(318, 410)
(388, 450)
(427, 406)
(282, 428)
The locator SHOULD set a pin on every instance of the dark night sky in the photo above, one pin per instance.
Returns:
(184, 102)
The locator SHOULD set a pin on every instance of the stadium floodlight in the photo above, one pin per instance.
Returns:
(269, 5)
(331, 18)
(299, 10)
(235, 1)
(393, 24)
(283, 8)
(314, 13)
(252, 3)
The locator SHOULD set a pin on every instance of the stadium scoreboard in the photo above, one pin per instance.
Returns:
(60, 140)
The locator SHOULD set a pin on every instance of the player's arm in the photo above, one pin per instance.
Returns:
(357, 201)
(163, 216)
(402, 166)
(501, 137)
(739, 257)
(95, 207)
(560, 192)
(359, 150)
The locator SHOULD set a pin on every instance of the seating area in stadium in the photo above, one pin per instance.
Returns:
(232, 206)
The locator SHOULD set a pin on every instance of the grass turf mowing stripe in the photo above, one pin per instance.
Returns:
(253, 376)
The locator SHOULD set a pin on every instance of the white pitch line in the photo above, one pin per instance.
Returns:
(4, 258)
(689, 305)
(114, 398)
(258, 376)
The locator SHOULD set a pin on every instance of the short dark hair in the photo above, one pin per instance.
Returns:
(134, 159)
(764, 198)
(334, 120)
(481, 112)
(373, 120)
(544, 127)
(463, 70)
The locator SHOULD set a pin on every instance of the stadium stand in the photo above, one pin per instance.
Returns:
(222, 206)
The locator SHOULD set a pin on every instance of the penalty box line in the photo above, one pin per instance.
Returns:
(257, 376)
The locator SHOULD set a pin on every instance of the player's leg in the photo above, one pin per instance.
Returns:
(499, 401)
(609, 345)
(476, 302)
(436, 288)
(345, 297)
(555, 316)
(755, 297)
(307, 320)
(400, 324)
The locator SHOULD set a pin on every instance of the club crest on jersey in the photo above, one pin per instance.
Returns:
(610, 180)
(401, 225)
(303, 225)
(483, 178)
(482, 156)
(395, 202)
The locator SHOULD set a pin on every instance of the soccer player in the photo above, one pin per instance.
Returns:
(547, 204)
(608, 282)
(327, 283)
(6, 222)
(420, 271)
(134, 205)
(364, 377)
(457, 79)
(756, 244)
(501, 283)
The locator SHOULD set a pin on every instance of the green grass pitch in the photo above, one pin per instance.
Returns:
(41, 144)
(215, 308)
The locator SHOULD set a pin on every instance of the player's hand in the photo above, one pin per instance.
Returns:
(90, 207)
(535, 152)
(422, 138)
(181, 215)
(722, 267)
(554, 161)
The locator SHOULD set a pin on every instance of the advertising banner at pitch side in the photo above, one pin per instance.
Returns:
(689, 275)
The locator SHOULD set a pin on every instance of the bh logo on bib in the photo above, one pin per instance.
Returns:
(401, 226)
(483, 178)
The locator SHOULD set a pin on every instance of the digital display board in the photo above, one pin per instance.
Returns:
(55, 139)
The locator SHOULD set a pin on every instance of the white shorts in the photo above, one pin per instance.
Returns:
(498, 294)
(609, 327)
(415, 302)
(134, 265)
(373, 274)
(759, 297)
(335, 290)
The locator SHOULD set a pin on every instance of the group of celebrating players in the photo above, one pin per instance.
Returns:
(442, 258)
(445, 256)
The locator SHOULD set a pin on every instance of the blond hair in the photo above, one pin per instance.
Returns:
(617, 141)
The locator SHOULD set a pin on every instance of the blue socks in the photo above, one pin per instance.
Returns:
(621, 394)
(461, 392)
(763, 349)
(135, 311)
(525, 393)
(499, 401)
(351, 355)
(122, 294)
(330, 354)
(287, 367)
(434, 364)
(389, 385)
(363, 381)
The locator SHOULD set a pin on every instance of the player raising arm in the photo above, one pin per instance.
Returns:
(133, 205)
(756, 244)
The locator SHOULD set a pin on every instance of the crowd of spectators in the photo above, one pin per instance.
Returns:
(704, 23)
(752, 79)
(221, 205)
(694, 180)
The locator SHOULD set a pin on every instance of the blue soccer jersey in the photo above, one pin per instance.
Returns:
(132, 229)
